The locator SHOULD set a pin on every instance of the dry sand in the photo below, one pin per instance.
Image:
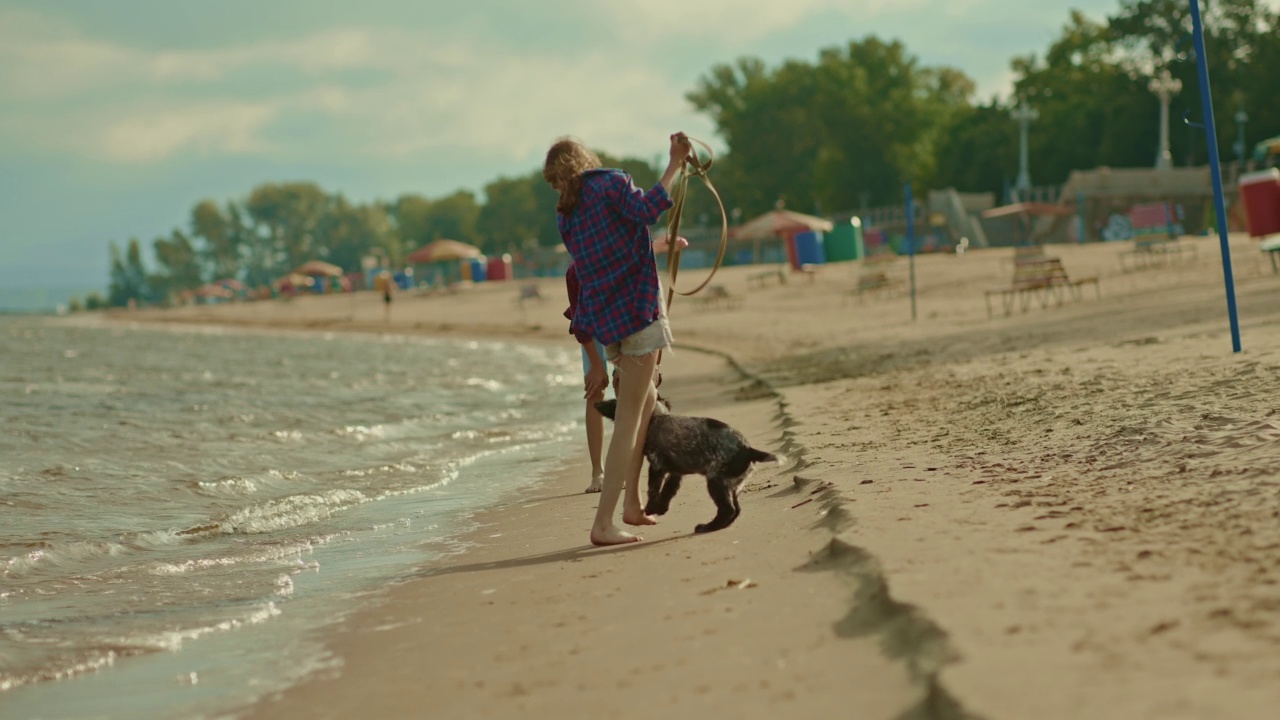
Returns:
(1072, 512)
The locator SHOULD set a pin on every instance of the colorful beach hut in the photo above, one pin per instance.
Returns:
(778, 223)
(444, 250)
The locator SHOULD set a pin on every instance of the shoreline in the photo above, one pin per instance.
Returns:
(831, 571)
(502, 660)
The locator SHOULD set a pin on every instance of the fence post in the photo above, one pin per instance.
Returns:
(909, 211)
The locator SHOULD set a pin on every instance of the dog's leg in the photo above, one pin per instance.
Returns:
(670, 487)
(719, 490)
(655, 506)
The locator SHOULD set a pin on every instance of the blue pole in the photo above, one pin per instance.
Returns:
(1215, 171)
(911, 247)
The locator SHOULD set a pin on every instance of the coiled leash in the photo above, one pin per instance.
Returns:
(693, 166)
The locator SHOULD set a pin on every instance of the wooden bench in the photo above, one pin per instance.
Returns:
(1154, 238)
(717, 295)
(809, 271)
(1151, 251)
(1042, 279)
(1272, 249)
(529, 291)
(762, 278)
(874, 277)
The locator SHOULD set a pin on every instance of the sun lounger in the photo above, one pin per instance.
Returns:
(1042, 279)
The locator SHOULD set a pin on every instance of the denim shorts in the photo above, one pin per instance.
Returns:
(657, 336)
(586, 361)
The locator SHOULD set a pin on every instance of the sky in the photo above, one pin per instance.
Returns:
(116, 117)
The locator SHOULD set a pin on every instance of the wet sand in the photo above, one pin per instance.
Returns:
(1068, 512)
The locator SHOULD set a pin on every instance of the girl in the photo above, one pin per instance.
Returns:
(604, 221)
(595, 371)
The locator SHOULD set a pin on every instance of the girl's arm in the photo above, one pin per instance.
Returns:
(680, 149)
(636, 204)
(596, 379)
(648, 207)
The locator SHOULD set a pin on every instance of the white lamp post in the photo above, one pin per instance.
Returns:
(1165, 86)
(1024, 115)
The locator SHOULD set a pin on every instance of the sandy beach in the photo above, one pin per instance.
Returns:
(1067, 512)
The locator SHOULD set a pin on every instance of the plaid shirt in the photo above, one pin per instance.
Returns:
(608, 238)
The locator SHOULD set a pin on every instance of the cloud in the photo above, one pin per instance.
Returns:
(738, 22)
(360, 92)
(231, 128)
(403, 94)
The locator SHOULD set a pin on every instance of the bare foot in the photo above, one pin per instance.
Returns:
(594, 488)
(612, 536)
(637, 518)
(597, 483)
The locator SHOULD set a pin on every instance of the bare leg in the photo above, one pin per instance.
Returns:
(632, 510)
(595, 441)
(622, 464)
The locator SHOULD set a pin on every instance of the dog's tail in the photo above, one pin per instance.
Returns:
(760, 456)
(607, 408)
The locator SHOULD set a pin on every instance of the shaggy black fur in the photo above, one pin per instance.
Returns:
(678, 445)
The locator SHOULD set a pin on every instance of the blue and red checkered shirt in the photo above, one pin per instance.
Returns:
(607, 236)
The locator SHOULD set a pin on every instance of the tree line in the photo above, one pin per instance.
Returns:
(838, 133)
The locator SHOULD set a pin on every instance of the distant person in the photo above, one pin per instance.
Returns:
(383, 281)
(604, 222)
(386, 300)
(595, 372)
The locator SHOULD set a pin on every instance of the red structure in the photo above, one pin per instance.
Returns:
(1260, 195)
(500, 268)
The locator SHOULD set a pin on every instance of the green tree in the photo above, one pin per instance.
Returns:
(1240, 38)
(978, 150)
(1092, 110)
(286, 217)
(510, 216)
(128, 276)
(420, 220)
(178, 265)
(822, 136)
(221, 235)
(348, 232)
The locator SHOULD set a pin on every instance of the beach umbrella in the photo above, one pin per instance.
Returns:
(776, 223)
(318, 268)
(1031, 209)
(213, 290)
(1270, 146)
(293, 281)
(1024, 212)
(779, 222)
(441, 250)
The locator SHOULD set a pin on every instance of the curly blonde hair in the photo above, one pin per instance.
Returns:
(567, 159)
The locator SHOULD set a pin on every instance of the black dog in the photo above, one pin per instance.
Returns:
(678, 445)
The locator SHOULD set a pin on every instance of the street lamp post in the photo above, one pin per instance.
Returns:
(1241, 118)
(1024, 115)
(1165, 86)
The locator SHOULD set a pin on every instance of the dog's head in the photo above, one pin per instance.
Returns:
(609, 408)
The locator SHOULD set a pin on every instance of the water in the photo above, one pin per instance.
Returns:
(180, 511)
(43, 299)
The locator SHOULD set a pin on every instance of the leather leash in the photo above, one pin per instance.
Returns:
(693, 166)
